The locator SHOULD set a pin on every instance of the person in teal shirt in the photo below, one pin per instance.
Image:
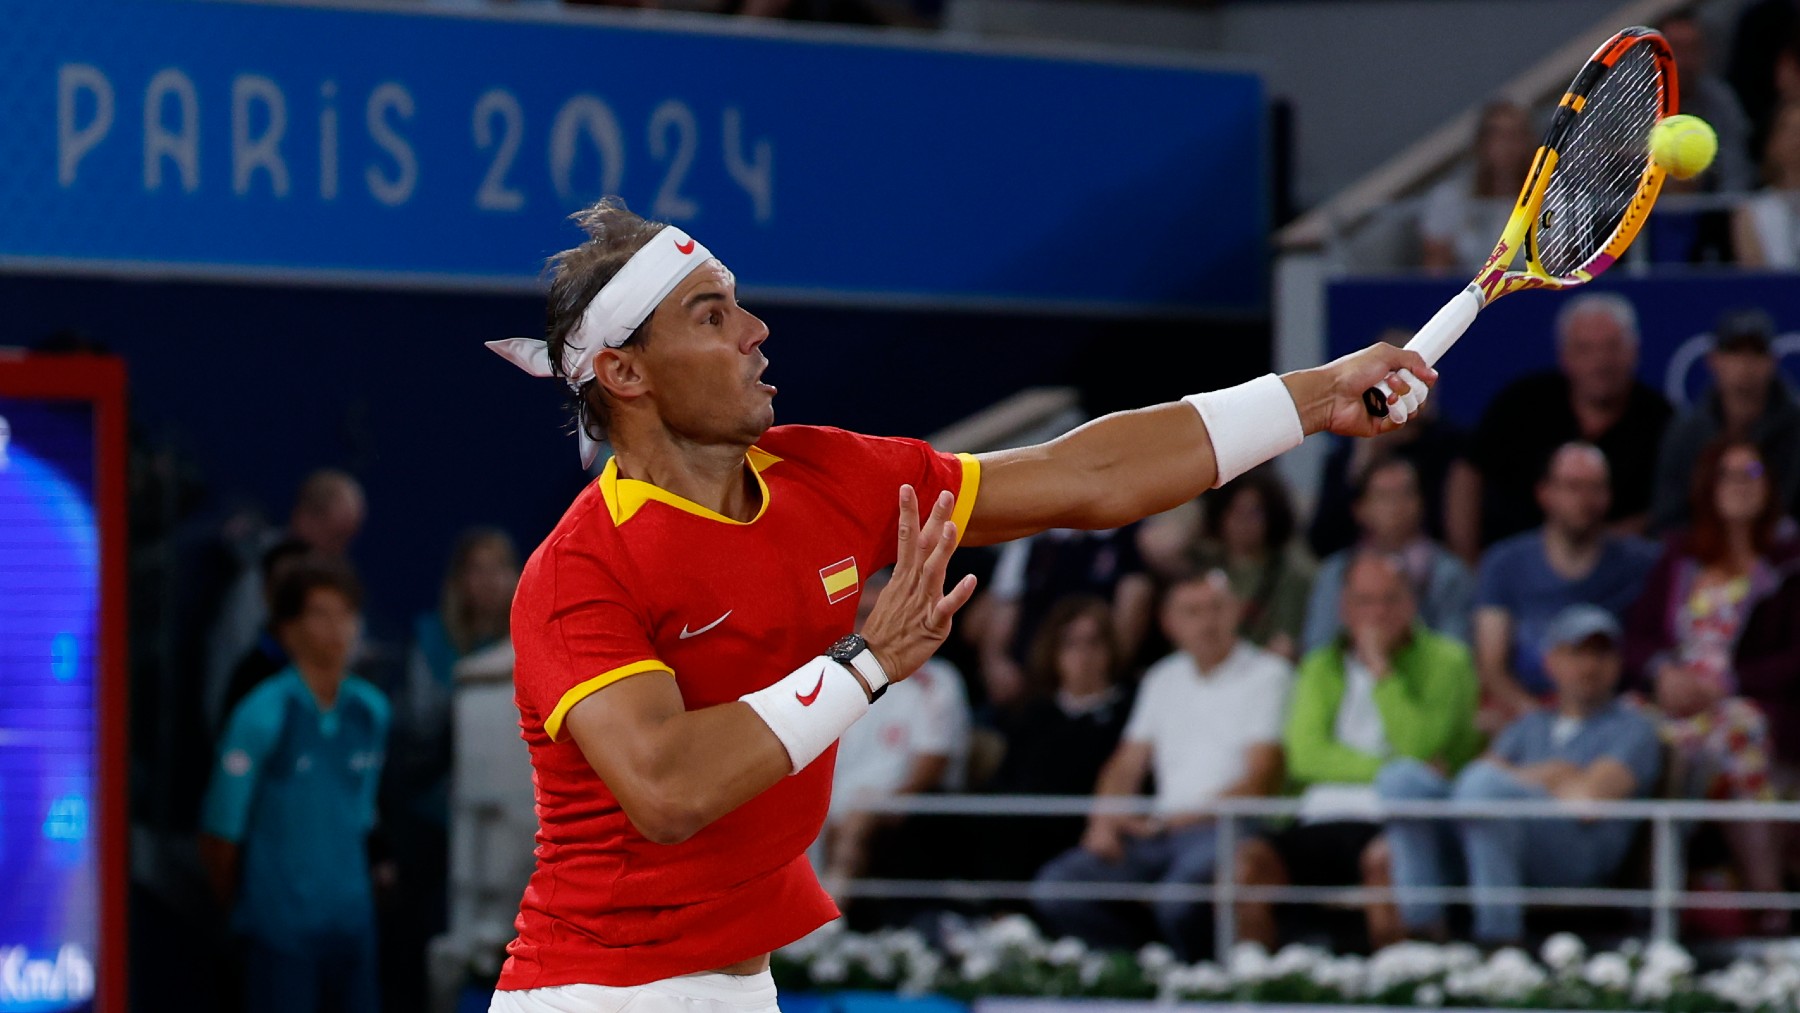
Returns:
(291, 804)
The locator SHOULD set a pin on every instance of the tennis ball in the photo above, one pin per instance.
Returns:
(1683, 145)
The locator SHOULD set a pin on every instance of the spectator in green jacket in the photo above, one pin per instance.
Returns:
(1385, 688)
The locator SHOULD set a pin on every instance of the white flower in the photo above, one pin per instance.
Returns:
(1093, 965)
(1651, 989)
(1296, 958)
(1014, 930)
(880, 964)
(829, 969)
(1403, 963)
(1562, 951)
(1607, 970)
(1247, 963)
(1668, 958)
(1461, 956)
(1510, 974)
(1066, 951)
(1155, 958)
(1345, 974)
(1740, 984)
(1464, 984)
(1429, 995)
(921, 974)
(979, 965)
(1206, 979)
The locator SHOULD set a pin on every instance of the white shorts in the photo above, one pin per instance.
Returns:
(710, 992)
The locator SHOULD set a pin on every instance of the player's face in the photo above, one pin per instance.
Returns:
(324, 635)
(704, 362)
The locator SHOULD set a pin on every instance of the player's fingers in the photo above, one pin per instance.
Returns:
(1397, 413)
(950, 603)
(933, 534)
(1416, 394)
(1398, 387)
(907, 553)
(937, 561)
(1404, 360)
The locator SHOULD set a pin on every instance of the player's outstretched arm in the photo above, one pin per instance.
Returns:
(1128, 465)
(674, 771)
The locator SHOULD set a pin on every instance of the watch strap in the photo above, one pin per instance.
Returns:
(869, 667)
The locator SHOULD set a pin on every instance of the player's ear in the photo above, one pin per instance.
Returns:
(620, 373)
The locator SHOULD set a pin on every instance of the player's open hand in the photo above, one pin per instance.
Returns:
(1330, 397)
(913, 616)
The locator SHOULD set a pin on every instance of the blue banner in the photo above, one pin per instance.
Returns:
(1517, 335)
(222, 138)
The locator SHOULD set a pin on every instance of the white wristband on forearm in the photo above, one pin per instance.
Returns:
(810, 707)
(1249, 424)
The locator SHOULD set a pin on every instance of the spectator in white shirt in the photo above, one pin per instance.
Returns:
(1207, 723)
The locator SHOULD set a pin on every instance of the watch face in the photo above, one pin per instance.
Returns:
(847, 647)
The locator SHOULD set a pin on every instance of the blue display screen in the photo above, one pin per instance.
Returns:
(49, 739)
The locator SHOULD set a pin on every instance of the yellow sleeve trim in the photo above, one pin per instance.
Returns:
(576, 694)
(965, 496)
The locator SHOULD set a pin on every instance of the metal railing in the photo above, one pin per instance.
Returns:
(1664, 897)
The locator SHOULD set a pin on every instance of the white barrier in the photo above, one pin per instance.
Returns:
(1664, 897)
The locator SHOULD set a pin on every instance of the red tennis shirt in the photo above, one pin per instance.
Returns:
(637, 580)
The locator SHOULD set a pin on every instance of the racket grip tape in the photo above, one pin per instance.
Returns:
(1431, 342)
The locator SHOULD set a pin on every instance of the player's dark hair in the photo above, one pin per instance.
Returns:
(576, 276)
(288, 602)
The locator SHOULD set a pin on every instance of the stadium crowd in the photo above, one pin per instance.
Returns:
(1590, 596)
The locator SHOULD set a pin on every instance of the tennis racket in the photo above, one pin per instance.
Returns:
(1591, 185)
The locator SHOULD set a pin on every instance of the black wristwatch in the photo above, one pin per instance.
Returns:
(852, 651)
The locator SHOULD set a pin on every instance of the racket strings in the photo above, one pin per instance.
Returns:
(1600, 165)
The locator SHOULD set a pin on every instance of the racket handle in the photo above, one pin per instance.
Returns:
(1432, 341)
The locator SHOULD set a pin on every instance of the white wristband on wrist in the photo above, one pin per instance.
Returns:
(810, 707)
(1249, 424)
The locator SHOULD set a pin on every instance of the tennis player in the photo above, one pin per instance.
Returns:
(685, 656)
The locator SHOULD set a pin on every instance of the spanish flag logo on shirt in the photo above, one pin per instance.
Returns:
(840, 580)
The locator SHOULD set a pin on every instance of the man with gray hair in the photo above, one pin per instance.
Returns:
(1592, 396)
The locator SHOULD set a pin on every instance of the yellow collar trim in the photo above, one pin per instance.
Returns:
(626, 496)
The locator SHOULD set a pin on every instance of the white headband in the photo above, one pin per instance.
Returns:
(619, 308)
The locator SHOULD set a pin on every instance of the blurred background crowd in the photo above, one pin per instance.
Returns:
(1573, 583)
(1590, 595)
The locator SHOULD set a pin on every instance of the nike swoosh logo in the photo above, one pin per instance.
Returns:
(807, 699)
(686, 633)
(685, 248)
